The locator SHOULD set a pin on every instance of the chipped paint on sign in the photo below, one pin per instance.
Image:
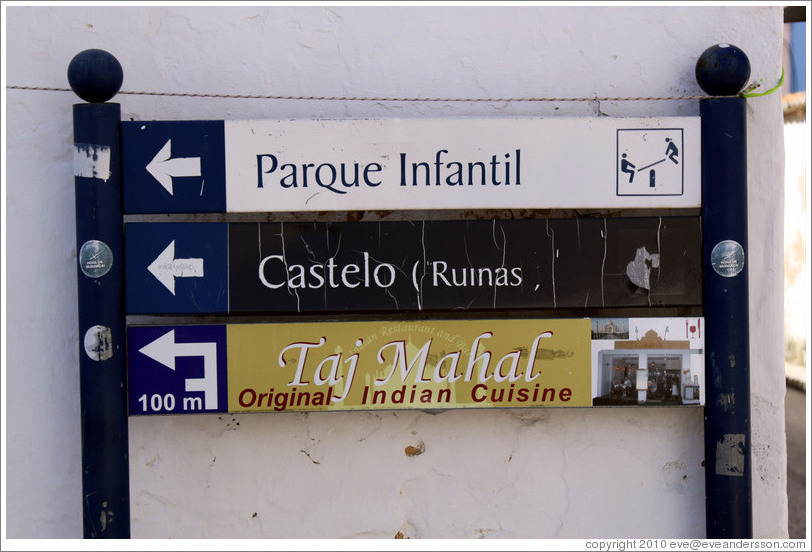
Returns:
(91, 161)
(730, 455)
(98, 343)
(727, 401)
(639, 269)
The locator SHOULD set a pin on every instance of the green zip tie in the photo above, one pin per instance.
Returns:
(770, 91)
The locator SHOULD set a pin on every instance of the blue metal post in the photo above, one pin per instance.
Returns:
(723, 70)
(96, 76)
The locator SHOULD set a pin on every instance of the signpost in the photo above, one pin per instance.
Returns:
(428, 364)
(360, 164)
(320, 165)
(413, 266)
(96, 76)
(724, 70)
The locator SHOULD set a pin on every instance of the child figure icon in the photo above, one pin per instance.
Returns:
(627, 166)
(672, 151)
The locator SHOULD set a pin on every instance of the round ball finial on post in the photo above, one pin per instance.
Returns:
(95, 75)
(722, 70)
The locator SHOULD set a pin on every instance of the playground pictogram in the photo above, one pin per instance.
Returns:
(650, 162)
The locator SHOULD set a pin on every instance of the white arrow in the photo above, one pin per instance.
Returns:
(163, 167)
(165, 350)
(166, 267)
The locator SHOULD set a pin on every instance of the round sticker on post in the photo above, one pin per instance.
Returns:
(95, 258)
(727, 258)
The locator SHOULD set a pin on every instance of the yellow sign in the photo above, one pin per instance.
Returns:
(385, 365)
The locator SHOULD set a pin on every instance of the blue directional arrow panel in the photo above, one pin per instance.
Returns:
(176, 369)
(173, 167)
(176, 268)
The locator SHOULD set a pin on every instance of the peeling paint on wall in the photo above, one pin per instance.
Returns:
(415, 450)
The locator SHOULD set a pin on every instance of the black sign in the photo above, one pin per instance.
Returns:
(421, 265)
(462, 265)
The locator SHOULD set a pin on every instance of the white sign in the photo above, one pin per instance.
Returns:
(462, 164)
(388, 164)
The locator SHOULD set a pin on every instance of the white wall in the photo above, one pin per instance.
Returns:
(503, 473)
(796, 246)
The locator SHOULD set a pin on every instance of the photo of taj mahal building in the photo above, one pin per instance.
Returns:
(648, 370)
(610, 328)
